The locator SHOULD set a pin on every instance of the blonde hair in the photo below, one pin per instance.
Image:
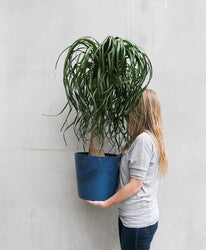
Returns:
(149, 119)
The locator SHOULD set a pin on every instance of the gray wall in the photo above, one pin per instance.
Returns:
(39, 205)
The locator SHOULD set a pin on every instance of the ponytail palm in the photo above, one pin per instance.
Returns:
(103, 83)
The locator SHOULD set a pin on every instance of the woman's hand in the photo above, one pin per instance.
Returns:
(103, 204)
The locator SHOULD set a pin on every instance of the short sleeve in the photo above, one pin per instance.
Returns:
(140, 157)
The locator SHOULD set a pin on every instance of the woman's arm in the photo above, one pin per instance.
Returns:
(124, 193)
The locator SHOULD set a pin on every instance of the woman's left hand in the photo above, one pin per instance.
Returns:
(103, 204)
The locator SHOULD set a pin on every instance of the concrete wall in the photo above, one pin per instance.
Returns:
(39, 205)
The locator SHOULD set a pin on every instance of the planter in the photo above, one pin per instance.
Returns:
(97, 177)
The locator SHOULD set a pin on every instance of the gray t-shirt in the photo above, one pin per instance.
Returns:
(140, 161)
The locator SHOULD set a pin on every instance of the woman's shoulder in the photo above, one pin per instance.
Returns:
(145, 139)
(141, 139)
(144, 136)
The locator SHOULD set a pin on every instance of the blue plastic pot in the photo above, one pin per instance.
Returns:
(97, 177)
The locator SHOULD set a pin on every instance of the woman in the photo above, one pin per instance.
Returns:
(143, 160)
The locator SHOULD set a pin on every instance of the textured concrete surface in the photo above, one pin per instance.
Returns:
(39, 207)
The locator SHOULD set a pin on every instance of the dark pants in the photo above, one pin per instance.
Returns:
(136, 238)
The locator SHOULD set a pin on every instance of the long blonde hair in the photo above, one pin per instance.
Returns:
(149, 117)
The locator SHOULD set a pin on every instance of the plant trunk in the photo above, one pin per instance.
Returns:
(95, 145)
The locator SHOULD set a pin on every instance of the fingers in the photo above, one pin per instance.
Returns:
(89, 201)
(92, 202)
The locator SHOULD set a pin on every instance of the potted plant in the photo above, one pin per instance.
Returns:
(103, 83)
